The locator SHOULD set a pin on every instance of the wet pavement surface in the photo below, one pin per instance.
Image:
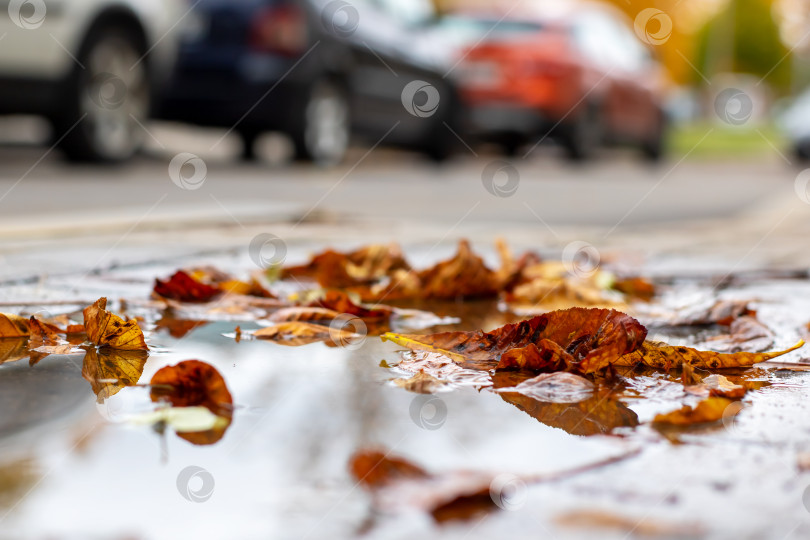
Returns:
(74, 467)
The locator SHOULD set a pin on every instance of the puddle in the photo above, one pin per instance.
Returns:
(75, 468)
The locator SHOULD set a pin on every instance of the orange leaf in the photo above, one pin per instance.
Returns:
(106, 329)
(575, 335)
(707, 411)
(12, 326)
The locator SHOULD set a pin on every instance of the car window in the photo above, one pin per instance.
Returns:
(601, 39)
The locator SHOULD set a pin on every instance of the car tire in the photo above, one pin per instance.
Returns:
(107, 98)
(582, 136)
(325, 127)
(249, 138)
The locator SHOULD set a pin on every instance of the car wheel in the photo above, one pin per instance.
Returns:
(582, 136)
(325, 129)
(108, 98)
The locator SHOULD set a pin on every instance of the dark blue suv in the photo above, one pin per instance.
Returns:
(320, 71)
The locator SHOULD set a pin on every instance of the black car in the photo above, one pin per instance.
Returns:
(317, 70)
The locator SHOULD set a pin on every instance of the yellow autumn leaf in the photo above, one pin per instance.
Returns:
(107, 329)
(663, 356)
(13, 326)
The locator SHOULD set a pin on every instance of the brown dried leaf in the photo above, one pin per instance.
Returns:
(106, 329)
(184, 288)
(13, 326)
(580, 336)
(297, 333)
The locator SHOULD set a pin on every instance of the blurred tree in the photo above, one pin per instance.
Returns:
(744, 37)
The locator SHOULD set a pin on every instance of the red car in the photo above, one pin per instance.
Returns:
(579, 75)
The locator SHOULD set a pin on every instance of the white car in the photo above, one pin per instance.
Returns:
(92, 67)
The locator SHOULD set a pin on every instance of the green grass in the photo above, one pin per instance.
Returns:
(718, 141)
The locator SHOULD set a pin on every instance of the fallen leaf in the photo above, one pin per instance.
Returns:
(635, 287)
(109, 370)
(575, 336)
(332, 269)
(707, 411)
(663, 356)
(304, 314)
(421, 383)
(463, 276)
(341, 302)
(184, 288)
(106, 329)
(13, 326)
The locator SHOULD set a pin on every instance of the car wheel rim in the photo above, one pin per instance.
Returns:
(327, 125)
(114, 98)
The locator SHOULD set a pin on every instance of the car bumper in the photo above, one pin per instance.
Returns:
(497, 119)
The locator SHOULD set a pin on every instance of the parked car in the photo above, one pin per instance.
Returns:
(320, 71)
(92, 67)
(795, 123)
(577, 74)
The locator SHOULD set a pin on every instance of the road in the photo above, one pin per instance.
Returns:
(616, 202)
